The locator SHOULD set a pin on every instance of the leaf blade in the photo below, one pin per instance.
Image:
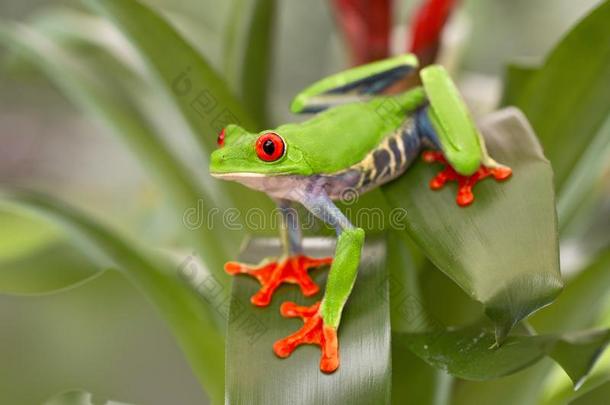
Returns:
(364, 373)
(469, 352)
(467, 244)
(116, 111)
(258, 59)
(174, 60)
(190, 319)
(567, 100)
(201, 94)
(48, 269)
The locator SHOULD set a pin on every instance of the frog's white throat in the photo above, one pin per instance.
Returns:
(276, 186)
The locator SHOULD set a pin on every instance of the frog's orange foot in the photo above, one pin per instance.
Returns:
(465, 183)
(314, 331)
(271, 275)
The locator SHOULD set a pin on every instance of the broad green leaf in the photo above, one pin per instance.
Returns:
(102, 48)
(235, 41)
(195, 87)
(559, 390)
(35, 258)
(77, 27)
(256, 376)
(470, 352)
(596, 396)
(416, 382)
(257, 60)
(483, 247)
(46, 269)
(568, 99)
(577, 307)
(456, 308)
(78, 397)
(104, 100)
(577, 353)
(517, 78)
(20, 235)
(523, 388)
(192, 321)
(202, 94)
(248, 48)
(413, 380)
(581, 191)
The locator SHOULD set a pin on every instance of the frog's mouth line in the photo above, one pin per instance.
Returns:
(234, 174)
(244, 175)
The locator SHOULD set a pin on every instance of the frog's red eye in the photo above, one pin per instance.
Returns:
(270, 147)
(221, 138)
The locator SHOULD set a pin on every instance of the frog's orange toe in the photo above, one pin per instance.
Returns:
(464, 196)
(314, 331)
(271, 275)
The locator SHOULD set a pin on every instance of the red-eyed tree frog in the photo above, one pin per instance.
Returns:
(359, 139)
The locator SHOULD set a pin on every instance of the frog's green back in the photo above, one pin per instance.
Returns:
(342, 136)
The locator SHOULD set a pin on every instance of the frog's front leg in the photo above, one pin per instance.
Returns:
(292, 267)
(321, 320)
(447, 123)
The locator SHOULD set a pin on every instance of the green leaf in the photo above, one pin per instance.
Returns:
(192, 321)
(581, 190)
(50, 268)
(523, 388)
(470, 352)
(576, 308)
(200, 92)
(248, 48)
(578, 352)
(236, 41)
(36, 259)
(595, 396)
(20, 235)
(78, 397)
(482, 247)
(517, 78)
(85, 31)
(568, 99)
(413, 380)
(256, 376)
(105, 101)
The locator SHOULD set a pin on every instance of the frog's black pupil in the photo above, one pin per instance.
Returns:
(269, 147)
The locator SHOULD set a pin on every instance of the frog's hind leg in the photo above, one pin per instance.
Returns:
(353, 85)
(292, 267)
(447, 125)
(322, 319)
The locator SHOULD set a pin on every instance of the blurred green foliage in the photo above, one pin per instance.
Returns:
(122, 63)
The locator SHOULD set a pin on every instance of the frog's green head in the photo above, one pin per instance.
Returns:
(266, 153)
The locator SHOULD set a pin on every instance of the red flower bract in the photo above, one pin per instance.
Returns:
(366, 25)
(427, 27)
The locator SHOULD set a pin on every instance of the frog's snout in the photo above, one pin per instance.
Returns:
(217, 159)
